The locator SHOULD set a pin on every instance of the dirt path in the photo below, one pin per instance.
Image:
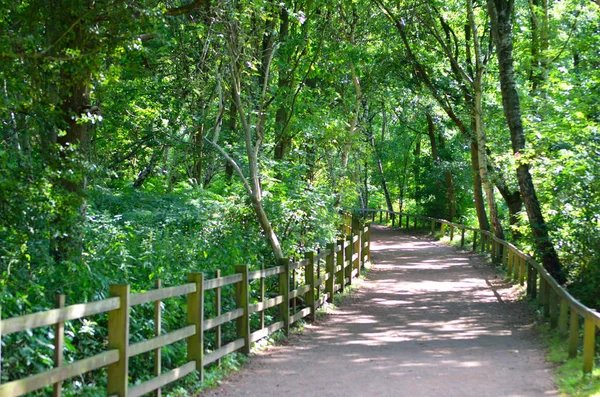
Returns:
(427, 322)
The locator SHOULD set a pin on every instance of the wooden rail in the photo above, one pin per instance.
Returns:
(562, 309)
(316, 278)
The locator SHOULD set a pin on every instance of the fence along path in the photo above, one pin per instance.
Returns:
(424, 323)
(316, 278)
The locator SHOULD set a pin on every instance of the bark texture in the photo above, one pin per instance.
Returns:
(501, 20)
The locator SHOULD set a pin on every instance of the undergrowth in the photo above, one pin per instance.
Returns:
(568, 374)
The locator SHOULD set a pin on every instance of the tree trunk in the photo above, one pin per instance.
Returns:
(500, 15)
(282, 139)
(386, 192)
(482, 218)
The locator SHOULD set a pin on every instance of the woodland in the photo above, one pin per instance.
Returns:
(142, 140)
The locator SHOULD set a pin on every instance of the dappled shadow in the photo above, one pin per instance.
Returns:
(425, 323)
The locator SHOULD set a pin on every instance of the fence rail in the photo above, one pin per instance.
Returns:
(324, 274)
(562, 309)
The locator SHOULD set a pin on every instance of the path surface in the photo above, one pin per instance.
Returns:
(429, 321)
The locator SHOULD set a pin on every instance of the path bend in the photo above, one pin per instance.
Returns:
(430, 320)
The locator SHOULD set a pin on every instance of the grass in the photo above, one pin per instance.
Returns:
(568, 374)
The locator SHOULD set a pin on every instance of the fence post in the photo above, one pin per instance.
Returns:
(451, 233)
(522, 271)
(589, 336)
(534, 277)
(242, 298)
(517, 268)
(553, 307)
(368, 243)
(432, 228)
(59, 343)
(284, 290)
(546, 299)
(309, 278)
(340, 263)
(393, 216)
(474, 240)
(573, 333)
(330, 268)
(261, 297)
(157, 332)
(563, 317)
(443, 230)
(387, 214)
(347, 271)
(380, 216)
(195, 316)
(118, 338)
(542, 291)
(462, 237)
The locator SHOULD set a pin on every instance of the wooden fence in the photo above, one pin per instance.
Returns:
(324, 273)
(562, 309)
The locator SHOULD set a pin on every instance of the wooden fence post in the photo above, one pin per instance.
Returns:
(59, 344)
(309, 279)
(380, 215)
(443, 230)
(340, 261)
(347, 271)
(563, 317)
(553, 303)
(195, 316)
(157, 332)
(387, 214)
(474, 240)
(534, 278)
(242, 298)
(261, 297)
(284, 290)
(432, 228)
(546, 299)
(589, 336)
(330, 268)
(542, 292)
(368, 243)
(522, 271)
(462, 237)
(573, 333)
(451, 233)
(415, 223)
(118, 338)
(407, 220)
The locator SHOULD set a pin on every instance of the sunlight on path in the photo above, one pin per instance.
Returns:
(424, 323)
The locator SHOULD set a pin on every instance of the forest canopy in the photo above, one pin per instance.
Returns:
(141, 140)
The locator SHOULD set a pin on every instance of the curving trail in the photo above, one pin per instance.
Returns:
(430, 320)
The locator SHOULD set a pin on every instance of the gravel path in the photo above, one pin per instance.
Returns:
(430, 320)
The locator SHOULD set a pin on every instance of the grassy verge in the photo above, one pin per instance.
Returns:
(568, 375)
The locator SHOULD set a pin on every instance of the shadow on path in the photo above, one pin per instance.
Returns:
(424, 323)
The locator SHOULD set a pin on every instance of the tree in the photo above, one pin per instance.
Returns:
(501, 12)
